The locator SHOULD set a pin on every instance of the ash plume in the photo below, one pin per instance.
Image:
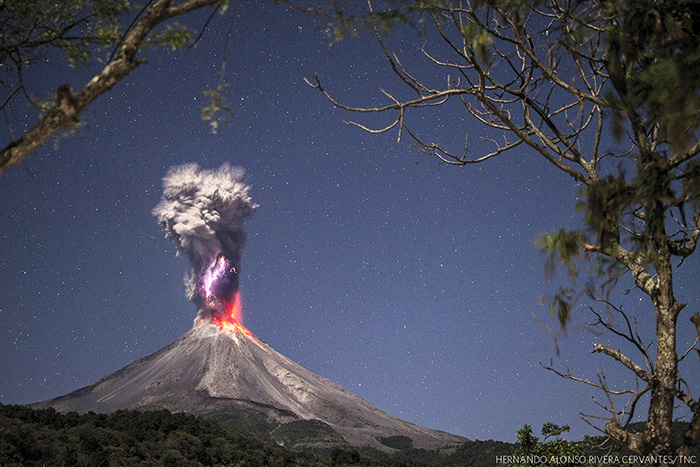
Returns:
(203, 211)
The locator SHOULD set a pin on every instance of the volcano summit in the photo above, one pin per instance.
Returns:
(228, 374)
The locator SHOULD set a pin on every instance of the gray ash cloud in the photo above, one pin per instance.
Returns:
(203, 211)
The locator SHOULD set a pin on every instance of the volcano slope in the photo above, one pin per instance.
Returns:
(232, 376)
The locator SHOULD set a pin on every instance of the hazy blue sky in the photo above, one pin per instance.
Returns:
(411, 284)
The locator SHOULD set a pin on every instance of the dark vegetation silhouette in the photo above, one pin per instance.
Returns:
(30, 437)
(45, 437)
(608, 94)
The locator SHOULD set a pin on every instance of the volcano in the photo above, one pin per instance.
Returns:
(219, 369)
(230, 375)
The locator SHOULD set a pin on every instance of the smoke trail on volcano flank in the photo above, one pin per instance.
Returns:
(203, 212)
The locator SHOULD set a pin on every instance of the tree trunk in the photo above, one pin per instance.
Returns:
(658, 436)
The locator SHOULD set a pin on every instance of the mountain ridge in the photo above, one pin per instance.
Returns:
(231, 375)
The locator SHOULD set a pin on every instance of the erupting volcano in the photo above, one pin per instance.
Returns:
(221, 370)
(203, 211)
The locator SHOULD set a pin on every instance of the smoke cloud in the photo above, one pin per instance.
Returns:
(203, 211)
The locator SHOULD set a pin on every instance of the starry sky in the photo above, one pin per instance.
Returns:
(411, 284)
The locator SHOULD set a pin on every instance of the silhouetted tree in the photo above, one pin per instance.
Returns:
(558, 79)
(110, 32)
(552, 450)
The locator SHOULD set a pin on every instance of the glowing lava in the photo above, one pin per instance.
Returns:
(230, 317)
(229, 320)
(224, 304)
(219, 290)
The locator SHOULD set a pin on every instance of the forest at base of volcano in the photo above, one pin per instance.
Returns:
(45, 437)
(38, 437)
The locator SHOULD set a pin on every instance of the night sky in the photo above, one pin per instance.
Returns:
(411, 284)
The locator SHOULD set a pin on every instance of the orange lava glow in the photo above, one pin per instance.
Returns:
(231, 314)
(233, 326)
(231, 319)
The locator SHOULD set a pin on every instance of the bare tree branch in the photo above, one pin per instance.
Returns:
(68, 105)
(630, 336)
(617, 355)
